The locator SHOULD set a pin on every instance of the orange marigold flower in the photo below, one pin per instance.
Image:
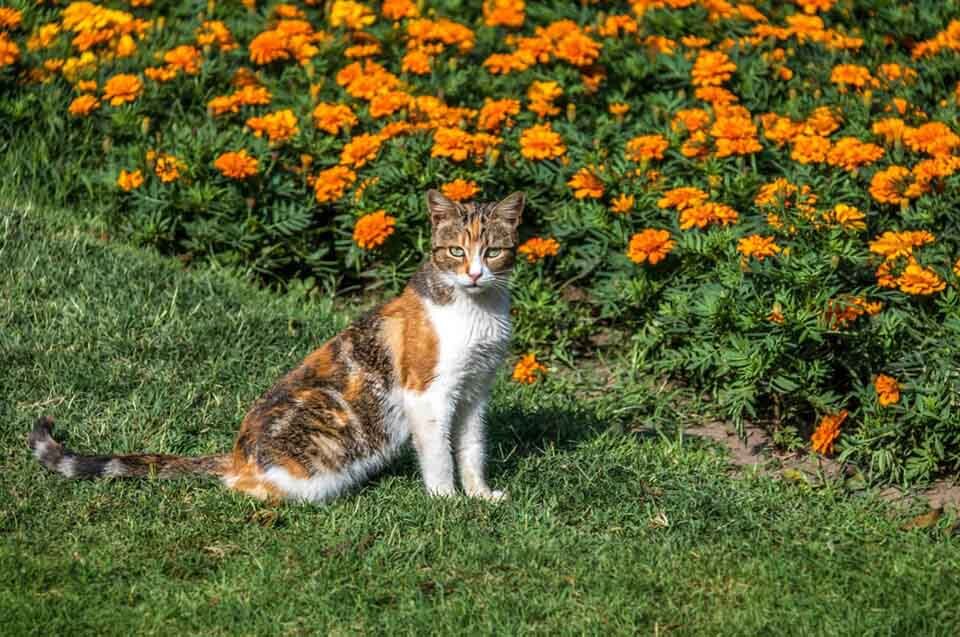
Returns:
(890, 128)
(918, 280)
(956, 268)
(10, 19)
(128, 181)
(496, 113)
(850, 153)
(460, 189)
(578, 49)
(614, 25)
(810, 149)
(389, 103)
(776, 315)
(167, 167)
(122, 88)
(618, 109)
(332, 118)
(331, 183)
(827, 432)
(704, 214)
(586, 185)
(888, 390)
(845, 75)
(185, 58)
(83, 105)
(506, 13)
(715, 95)
(735, 136)
(538, 248)
(651, 245)
(372, 230)
(758, 246)
(542, 96)
(646, 147)
(712, 68)
(891, 245)
(843, 311)
(236, 165)
(891, 185)
(690, 119)
(528, 370)
(682, 198)
(622, 204)
(453, 143)
(360, 150)
(399, 9)
(934, 138)
(416, 61)
(278, 126)
(541, 142)
(847, 217)
(269, 46)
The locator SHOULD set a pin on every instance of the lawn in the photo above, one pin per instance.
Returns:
(605, 532)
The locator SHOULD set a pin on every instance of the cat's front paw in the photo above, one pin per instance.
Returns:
(490, 496)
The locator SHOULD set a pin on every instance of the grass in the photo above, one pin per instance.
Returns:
(605, 533)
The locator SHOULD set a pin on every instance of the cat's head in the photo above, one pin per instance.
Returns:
(474, 244)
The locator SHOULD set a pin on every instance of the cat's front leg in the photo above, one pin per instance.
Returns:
(472, 452)
(429, 421)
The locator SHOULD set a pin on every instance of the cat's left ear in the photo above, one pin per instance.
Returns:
(510, 208)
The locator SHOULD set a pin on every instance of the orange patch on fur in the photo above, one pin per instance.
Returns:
(245, 476)
(409, 335)
(320, 360)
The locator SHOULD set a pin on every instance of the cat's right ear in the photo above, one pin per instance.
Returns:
(441, 208)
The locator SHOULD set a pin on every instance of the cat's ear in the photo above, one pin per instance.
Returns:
(440, 207)
(511, 208)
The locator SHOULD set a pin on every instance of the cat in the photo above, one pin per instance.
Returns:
(418, 367)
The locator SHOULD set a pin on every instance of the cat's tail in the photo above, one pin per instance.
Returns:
(59, 459)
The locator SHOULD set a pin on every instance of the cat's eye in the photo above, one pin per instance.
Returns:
(493, 253)
(457, 252)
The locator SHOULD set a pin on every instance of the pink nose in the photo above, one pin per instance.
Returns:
(474, 277)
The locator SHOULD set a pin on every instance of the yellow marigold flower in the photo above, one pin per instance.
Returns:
(827, 432)
(83, 105)
(166, 166)
(845, 75)
(528, 370)
(44, 36)
(810, 149)
(918, 280)
(350, 14)
(541, 142)
(372, 230)
(585, 185)
(330, 184)
(10, 19)
(682, 198)
(622, 204)
(122, 88)
(496, 113)
(712, 68)
(651, 245)
(888, 390)
(460, 189)
(332, 118)
(278, 126)
(578, 49)
(163, 74)
(646, 147)
(128, 181)
(236, 165)
(776, 315)
(360, 150)
(618, 109)
(758, 246)
(812, 6)
(891, 185)
(956, 268)
(537, 248)
(891, 245)
(399, 9)
(216, 32)
(506, 13)
(847, 217)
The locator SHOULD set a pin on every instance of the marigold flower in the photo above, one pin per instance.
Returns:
(735, 135)
(704, 214)
(332, 183)
(776, 315)
(891, 185)
(278, 126)
(538, 248)
(810, 149)
(845, 75)
(496, 113)
(650, 245)
(236, 165)
(389, 103)
(758, 246)
(527, 370)
(506, 13)
(712, 68)
(460, 189)
(83, 105)
(850, 153)
(690, 119)
(360, 150)
(844, 310)
(268, 47)
(934, 138)
(542, 96)
(956, 268)
(416, 61)
(888, 390)
(541, 142)
(891, 245)
(646, 147)
(128, 181)
(585, 185)
(827, 432)
(618, 109)
(350, 14)
(614, 25)
(578, 49)
(682, 198)
(122, 88)
(167, 167)
(453, 143)
(399, 9)
(186, 58)
(372, 230)
(918, 280)
(890, 128)
(332, 118)
(10, 19)
(847, 217)
(622, 204)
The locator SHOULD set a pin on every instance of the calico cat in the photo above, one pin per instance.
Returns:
(420, 366)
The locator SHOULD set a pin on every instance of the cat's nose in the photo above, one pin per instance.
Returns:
(474, 277)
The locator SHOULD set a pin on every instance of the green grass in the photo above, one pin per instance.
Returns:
(605, 533)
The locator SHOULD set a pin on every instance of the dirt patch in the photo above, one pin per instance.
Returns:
(758, 452)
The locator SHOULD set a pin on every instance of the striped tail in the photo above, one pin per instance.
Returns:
(59, 459)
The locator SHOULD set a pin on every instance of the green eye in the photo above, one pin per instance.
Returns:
(493, 253)
(457, 252)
